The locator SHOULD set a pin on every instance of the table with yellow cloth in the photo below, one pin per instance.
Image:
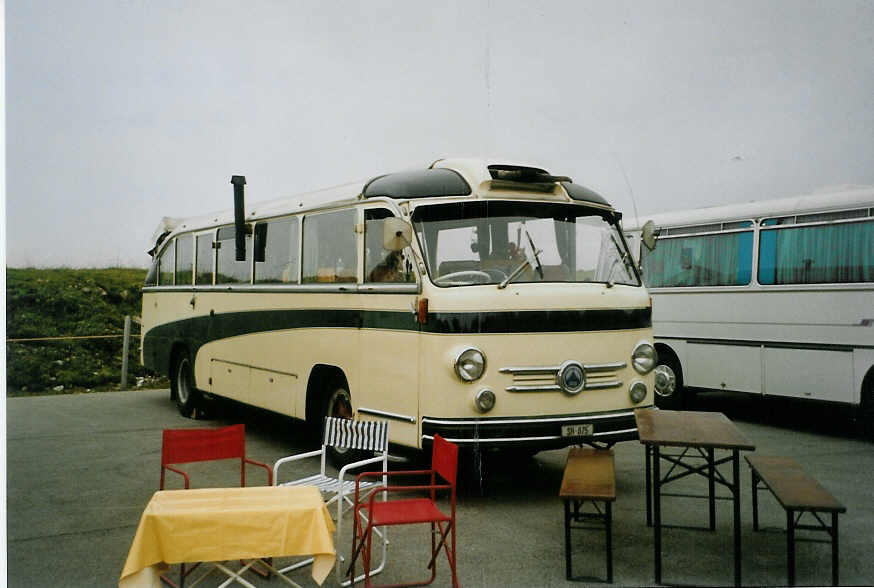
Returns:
(219, 524)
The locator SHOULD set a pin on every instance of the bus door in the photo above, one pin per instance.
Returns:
(389, 344)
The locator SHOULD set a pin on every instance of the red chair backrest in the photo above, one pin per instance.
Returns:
(189, 445)
(444, 459)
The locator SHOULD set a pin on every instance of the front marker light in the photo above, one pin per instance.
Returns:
(644, 358)
(637, 392)
(470, 364)
(484, 400)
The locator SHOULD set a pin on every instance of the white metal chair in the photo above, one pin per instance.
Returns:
(370, 436)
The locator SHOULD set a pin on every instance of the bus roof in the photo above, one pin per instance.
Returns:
(471, 178)
(824, 200)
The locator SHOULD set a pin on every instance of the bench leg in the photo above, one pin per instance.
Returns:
(835, 549)
(567, 539)
(790, 546)
(609, 523)
(755, 492)
(648, 453)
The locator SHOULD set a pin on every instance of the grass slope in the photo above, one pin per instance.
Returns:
(71, 302)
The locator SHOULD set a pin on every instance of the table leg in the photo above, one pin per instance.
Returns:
(755, 490)
(609, 521)
(711, 487)
(657, 513)
(735, 490)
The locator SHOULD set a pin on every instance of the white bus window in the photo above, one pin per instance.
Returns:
(276, 252)
(329, 251)
(166, 265)
(707, 260)
(381, 265)
(838, 253)
(184, 260)
(228, 269)
(203, 275)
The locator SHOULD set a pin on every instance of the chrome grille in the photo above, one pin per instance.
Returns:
(543, 378)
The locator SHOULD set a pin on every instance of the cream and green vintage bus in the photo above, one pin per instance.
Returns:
(494, 304)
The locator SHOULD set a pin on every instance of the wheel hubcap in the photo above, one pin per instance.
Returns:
(665, 381)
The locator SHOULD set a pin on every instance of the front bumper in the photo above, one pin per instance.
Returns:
(540, 433)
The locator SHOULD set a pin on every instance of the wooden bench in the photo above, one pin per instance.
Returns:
(589, 477)
(797, 493)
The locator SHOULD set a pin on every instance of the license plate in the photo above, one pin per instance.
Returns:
(586, 430)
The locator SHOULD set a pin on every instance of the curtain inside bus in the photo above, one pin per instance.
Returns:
(841, 253)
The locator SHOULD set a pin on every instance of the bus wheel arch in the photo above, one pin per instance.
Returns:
(669, 368)
(328, 395)
(182, 390)
(865, 415)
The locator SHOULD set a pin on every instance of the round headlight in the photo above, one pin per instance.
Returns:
(484, 400)
(644, 357)
(637, 392)
(470, 364)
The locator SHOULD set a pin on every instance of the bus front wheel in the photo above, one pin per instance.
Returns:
(182, 389)
(669, 383)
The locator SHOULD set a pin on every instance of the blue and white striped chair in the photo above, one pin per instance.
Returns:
(367, 436)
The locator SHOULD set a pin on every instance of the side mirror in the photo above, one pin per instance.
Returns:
(648, 235)
(396, 234)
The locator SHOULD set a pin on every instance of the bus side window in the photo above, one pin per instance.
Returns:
(276, 252)
(228, 270)
(329, 250)
(166, 265)
(381, 265)
(203, 263)
(184, 260)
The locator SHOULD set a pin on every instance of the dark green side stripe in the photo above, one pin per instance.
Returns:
(196, 332)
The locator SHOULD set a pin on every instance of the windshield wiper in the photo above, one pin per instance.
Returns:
(525, 264)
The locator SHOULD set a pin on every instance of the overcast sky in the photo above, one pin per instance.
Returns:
(121, 112)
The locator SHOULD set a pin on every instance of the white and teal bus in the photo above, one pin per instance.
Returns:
(773, 297)
(494, 304)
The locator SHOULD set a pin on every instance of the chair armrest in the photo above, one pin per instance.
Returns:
(358, 464)
(291, 458)
(178, 471)
(262, 465)
(388, 475)
(387, 489)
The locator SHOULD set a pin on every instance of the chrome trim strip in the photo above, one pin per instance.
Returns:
(524, 371)
(543, 388)
(603, 385)
(533, 420)
(388, 415)
(466, 441)
(254, 367)
(605, 367)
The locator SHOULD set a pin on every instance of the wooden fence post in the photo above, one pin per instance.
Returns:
(125, 350)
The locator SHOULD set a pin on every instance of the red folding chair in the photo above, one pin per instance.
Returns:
(192, 445)
(371, 513)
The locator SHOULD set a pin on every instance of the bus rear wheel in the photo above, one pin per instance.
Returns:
(182, 390)
(866, 408)
(338, 404)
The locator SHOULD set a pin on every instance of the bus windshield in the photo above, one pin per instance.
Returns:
(487, 242)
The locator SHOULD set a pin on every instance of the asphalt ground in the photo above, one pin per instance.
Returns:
(81, 468)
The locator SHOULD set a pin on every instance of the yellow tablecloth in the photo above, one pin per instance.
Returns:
(218, 524)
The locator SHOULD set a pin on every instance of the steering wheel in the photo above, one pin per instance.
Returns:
(475, 276)
(496, 275)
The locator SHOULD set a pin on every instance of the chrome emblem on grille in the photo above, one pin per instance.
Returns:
(571, 377)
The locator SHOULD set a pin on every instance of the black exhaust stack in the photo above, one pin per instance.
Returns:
(239, 216)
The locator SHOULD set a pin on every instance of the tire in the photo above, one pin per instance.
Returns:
(182, 390)
(338, 404)
(669, 369)
(866, 408)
